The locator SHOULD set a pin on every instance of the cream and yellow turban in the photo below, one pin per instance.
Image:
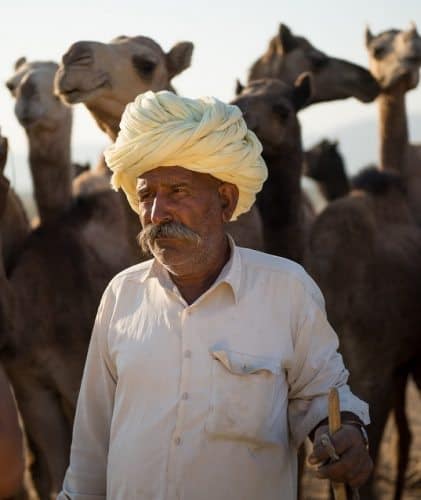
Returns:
(203, 135)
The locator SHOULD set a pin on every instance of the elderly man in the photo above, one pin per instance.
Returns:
(208, 364)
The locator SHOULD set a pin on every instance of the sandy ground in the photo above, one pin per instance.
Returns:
(315, 489)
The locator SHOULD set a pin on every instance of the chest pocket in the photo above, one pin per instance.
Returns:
(247, 398)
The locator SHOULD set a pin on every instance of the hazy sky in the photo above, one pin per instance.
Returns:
(228, 35)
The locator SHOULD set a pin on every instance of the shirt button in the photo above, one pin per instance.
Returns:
(185, 396)
(177, 441)
(187, 353)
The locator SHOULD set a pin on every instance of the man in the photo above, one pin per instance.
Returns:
(209, 364)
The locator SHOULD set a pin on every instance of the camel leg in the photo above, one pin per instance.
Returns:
(403, 430)
(48, 435)
(378, 397)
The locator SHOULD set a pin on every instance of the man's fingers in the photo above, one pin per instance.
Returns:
(342, 440)
(353, 468)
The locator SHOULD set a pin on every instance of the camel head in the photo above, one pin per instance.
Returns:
(322, 159)
(288, 56)
(107, 76)
(36, 106)
(395, 56)
(270, 108)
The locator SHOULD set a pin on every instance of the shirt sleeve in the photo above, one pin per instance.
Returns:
(316, 366)
(85, 477)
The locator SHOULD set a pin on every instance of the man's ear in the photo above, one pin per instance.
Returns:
(228, 194)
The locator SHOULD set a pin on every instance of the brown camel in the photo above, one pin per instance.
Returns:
(269, 107)
(288, 56)
(324, 164)
(14, 225)
(57, 281)
(365, 254)
(395, 60)
(106, 77)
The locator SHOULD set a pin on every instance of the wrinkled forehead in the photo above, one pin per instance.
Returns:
(173, 175)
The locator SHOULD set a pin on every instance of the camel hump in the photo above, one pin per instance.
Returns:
(378, 182)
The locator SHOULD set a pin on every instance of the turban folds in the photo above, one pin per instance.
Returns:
(203, 135)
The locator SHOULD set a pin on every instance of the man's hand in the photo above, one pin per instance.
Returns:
(354, 465)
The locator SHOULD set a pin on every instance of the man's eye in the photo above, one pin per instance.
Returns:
(179, 189)
(144, 196)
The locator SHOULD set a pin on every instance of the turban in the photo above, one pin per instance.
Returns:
(203, 135)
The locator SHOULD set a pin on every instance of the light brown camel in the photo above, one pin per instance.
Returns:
(106, 77)
(395, 60)
(365, 254)
(47, 123)
(269, 107)
(288, 56)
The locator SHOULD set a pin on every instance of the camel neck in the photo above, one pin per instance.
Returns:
(51, 169)
(280, 203)
(393, 128)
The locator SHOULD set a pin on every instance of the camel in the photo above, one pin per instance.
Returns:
(106, 77)
(324, 164)
(14, 225)
(288, 56)
(57, 280)
(269, 107)
(395, 60)
(47, 124)
(365, 253)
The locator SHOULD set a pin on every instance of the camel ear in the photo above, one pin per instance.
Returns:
(179, 58)
(368, 36)
(239, 87)
(302, 91)
(19, 62)
(286, 39)
(413, 29)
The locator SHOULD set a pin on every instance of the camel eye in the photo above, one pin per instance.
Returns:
(10, 86)
(379, 52)
(145, 67)
(281, 111)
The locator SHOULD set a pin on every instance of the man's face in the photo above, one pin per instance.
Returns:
(182, 215)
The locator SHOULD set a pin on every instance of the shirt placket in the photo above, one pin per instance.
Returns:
(175, 461)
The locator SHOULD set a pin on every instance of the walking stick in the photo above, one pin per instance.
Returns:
(339, 490)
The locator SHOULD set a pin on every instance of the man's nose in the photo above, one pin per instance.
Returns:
(160, 212)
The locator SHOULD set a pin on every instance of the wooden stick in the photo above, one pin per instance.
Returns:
(339, 490)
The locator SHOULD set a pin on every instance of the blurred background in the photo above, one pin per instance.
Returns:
(228, 35)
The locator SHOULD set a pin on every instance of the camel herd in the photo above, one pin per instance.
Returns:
(363, 248)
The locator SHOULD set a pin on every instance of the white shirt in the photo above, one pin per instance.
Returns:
(207, 401)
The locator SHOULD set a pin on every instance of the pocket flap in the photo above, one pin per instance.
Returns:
(246, 364)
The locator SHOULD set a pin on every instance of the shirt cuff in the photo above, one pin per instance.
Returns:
(304, 415)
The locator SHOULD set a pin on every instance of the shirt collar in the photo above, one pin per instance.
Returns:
(230, 273)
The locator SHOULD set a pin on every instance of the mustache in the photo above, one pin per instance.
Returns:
(176, 230)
